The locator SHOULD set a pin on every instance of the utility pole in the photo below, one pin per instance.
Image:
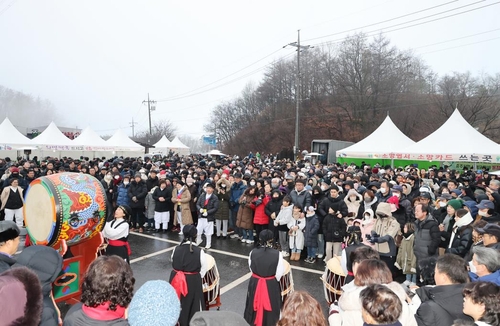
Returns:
(151, 107)
(132, 124)
(297, 96)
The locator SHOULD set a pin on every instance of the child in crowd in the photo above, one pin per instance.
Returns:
(281, 222)
(406, 260)
(296, 235)
(311, 234)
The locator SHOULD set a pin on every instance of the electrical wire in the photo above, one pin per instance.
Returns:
(218, 80)
(459, 46)
(384, 21)
(456, 39)
(383, 31)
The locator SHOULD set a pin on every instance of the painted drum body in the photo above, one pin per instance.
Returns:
(64, 206)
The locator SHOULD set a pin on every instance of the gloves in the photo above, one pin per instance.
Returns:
(258, 202)
(204, 214)
(201, 210)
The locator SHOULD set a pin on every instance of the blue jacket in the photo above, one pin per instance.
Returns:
(122, 197)
(237, 190)
(493, 277)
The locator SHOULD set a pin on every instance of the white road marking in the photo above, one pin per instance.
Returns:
(304, 269)
(135, 260)
(235, 283)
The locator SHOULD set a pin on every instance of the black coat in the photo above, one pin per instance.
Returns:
(337, 204)
(462, 241)
(441, 305)
(111, 191)
(139, 191)
(151, 183)
(212, 206)
(311, 231)
(334, 228)
(163, 206)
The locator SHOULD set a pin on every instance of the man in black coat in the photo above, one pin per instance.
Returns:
(427, 235)
(137, 193)
(207, 205)
(443, 304)
(152, 181)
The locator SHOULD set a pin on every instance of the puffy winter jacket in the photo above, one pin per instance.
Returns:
(334, 228)
(139, 191)
(122, 197)
(260, 216)
(163, 206)
(427, 238)
(311, 231)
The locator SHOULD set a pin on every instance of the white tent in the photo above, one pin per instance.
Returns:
(162, 145)
(216, 152)
(178, 147)
(53, 139)
(91, 141)
(11, 138)
(121, 142)
(456, 140)
(382, 143)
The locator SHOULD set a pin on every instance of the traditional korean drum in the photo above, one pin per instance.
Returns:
(333, 280)
(211, 286)
(286, 281)
(69, 206)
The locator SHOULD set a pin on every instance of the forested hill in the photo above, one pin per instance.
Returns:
(347, 91)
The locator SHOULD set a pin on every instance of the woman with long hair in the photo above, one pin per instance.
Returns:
(301, 308)
(107, 290)
(244, 219)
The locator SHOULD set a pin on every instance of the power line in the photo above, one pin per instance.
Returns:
(459, 46)
(456, 39)
(381, 31)
(190, 93)
(384, 21)
(214, 82)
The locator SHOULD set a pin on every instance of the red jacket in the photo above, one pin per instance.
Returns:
(260, 216)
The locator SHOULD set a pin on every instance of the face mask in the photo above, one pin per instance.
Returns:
(117, 177)
(472, 267)
(252, 183)
(383, 190)
(125, 182)
(323, 188)
(108, 177)
(397, 195)
(368, 199)
(481, 213)
(442, 204)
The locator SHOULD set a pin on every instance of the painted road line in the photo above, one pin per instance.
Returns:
(155, 238)
(304, 269)
(235, 283)
(135, 260)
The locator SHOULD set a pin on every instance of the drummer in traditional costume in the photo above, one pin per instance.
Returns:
(264, 303)
(116, 232)
(189, 265)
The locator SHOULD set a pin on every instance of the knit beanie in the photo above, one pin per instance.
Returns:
(155, 303)
(455, 203)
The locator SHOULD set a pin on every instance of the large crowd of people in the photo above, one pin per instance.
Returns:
(407, 218)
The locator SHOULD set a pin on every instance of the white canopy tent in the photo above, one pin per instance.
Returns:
(178, 147)
(163, 145)
(386, 139)
(456, 141)
(54, 140)
(122, 143)
(13, 139)
(91, 141)
(216, 152)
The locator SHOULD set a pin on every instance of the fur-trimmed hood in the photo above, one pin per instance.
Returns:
(20, 287)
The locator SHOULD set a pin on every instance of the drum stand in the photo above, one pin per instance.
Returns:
(214, 304)
(77, 258)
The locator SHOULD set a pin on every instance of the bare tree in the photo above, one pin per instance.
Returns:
(158, 129)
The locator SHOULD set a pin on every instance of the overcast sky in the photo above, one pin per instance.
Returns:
(97, 60)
